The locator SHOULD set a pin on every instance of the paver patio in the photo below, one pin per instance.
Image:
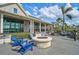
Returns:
(60, 46)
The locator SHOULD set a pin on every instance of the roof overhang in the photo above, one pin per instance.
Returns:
(27, 17)
(16, 16)
(12, 15)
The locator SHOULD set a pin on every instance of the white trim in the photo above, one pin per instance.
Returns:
(21, 8)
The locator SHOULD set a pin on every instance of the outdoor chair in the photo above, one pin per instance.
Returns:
(13, 38)
(25, 47)
(16, 42)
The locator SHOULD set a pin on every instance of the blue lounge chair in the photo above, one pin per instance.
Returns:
(16, 42)
(13, 38)
(25, 47)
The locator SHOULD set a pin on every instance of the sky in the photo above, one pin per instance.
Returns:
(49, 12)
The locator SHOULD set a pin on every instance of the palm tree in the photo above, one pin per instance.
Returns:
(59, 21)
(64, 13)
(56, 25)
(53, 23)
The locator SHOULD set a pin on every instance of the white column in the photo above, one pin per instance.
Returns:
(32, 27)
(45, 28)
(40, 27)
(26, 26)
(1, 23)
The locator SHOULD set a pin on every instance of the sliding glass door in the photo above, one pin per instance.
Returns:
(12, 25)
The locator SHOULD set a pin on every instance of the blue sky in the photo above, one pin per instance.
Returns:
(44, 11)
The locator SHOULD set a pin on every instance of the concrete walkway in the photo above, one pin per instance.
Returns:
(60, 46)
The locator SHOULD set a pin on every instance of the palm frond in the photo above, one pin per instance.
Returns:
(68, 9)
(53, 23)
(69, 16)
(59, 20)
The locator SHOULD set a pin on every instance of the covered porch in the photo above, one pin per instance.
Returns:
(11, 23)
(38, 26)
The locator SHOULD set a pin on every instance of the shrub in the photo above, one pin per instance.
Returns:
(57, 29)
(78, 34)
(21, 35)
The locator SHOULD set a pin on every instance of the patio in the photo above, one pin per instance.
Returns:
(60, 46)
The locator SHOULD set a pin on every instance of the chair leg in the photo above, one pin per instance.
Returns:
(31, 48)
(22, 51)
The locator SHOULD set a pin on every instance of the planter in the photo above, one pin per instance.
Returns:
(1, 41)
(7, 39)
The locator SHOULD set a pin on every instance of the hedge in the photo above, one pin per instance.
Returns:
(21, 35)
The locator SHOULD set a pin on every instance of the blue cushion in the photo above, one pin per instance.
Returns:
(13, 38)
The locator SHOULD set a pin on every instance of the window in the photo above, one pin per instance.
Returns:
(15, 10)
(12, 25)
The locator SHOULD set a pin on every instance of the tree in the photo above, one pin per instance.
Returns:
(59, 21)
(57, 27)
(64, 13)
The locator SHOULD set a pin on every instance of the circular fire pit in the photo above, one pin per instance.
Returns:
(42, 41)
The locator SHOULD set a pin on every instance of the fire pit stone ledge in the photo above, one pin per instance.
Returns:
(42, 41)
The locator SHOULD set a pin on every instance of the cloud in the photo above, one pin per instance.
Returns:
(53, 12)
(68, 22)
(76, 8)
(75, 16)
(46, 12)
(68, 5)
(35, 9)
(74, 13)
(34, 13)
(74, 21)
(28, 13)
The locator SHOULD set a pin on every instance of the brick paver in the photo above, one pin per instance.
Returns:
(60, 46)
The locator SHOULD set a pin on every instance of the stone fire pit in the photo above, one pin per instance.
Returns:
(42, 41)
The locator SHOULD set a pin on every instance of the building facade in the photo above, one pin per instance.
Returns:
(14, 19)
